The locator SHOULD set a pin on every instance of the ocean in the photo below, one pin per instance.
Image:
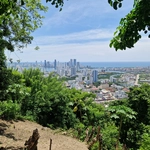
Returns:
(115, 64)
(103, 65)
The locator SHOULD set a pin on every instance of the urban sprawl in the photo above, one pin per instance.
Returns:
(108, 84)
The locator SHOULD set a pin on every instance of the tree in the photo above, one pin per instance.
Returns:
(134, 130)
(145, 142)
(57, 3)
(49, 102)
(26, 15)
(121, 114)
(129, 30)
(18, 19)
(5, 76)
(139, 101)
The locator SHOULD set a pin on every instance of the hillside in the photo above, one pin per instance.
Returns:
(17, 133)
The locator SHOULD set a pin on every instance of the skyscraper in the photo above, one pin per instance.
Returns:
(45, 64)
(73, 71)
(70, 63)
(55, 64)
(95, 75)
(78, 66)
(74, 62)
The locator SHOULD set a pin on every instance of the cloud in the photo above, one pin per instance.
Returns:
(78, 12)
(77, 37)
(82, 31)
(97, 51)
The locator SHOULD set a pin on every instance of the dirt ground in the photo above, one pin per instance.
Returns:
(16, 133)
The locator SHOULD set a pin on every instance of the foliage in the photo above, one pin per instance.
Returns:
(47, 101)
(122, 115)
(129, 30)
(145, 142)
(78, 102)
(5, 77)
(57, 3)
(132, 131)
(9, 110)
(18, 19)
(109, 136)
(107, 75)
(69, 78)
(139, 101)
(98, 83)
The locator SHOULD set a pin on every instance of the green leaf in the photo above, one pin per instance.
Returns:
(120, 5)
(114, 116)
(109, 1)
(115, 5)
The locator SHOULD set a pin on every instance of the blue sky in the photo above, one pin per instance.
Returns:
(82, 30)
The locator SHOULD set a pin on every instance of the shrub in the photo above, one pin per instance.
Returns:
(9, 110)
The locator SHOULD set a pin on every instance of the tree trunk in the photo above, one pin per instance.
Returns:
(32, 142)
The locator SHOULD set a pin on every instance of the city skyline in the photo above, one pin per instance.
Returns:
(82, 30)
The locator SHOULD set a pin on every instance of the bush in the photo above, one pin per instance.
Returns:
(9, 110)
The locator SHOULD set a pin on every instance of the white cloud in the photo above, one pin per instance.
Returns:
(78, 11)
(82, 44)
(89, 52)
(83, 36)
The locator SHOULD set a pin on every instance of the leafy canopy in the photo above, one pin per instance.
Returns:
(18, 19)
(129, 30)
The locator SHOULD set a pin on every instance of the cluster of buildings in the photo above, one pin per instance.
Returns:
(84, 78)
(73, 68)
(63, 69)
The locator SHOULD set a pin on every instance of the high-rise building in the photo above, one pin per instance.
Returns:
(84, 73)
(48, 64)
(90, 79)
(36, 63)
(74, 62)
(78, 66)
(71, 63)
(45, 64)
(55, 64)
(95, 75)
(73, 71)
(111, 79)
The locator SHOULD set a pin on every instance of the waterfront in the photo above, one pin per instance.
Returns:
(115, 64)
(84, 64)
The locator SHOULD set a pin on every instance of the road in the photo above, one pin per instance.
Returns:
(137, 79)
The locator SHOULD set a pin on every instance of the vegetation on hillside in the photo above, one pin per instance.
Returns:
(46, 100)
(125, 124)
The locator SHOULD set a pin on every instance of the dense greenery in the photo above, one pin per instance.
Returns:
(129, 30)
(5, 76)
(29, 95)
(98, 83)
(69, 78)
(46, 100)
(107, 75)
(18, 19)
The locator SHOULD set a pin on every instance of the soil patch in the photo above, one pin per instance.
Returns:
(16, 133)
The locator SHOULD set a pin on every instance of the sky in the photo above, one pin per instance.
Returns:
(82, 31)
